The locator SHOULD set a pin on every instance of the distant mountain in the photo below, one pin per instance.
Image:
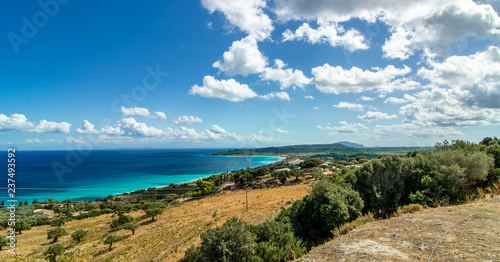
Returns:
(351, 144)
(318, 148)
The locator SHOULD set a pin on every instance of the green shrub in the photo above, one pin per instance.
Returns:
(286, 247)
(232, 242)
(55, 233)
(112, 239)
(53, 251)
(327, 207)
(79, 234)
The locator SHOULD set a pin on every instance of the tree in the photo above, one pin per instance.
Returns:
(112, 239)
(233, 241)
(55, 233)
(79, 234)
(21, 225)
(59, 221)
(3, 241)
(54, 251)
(297, 173)
(152, 212)
(25, 202)
(121, 220)
(327, 207)
(204, 187)
(131, 226)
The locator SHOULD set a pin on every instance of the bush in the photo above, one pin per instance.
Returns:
(112, 239)
(348, 227)
(287, 247)
(270, 230)
(54, 251)
(55, 233)
(79, 234)
(233, 241)
(327, 207)
(409, 209)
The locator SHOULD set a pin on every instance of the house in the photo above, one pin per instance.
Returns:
(283, 170)
(230, 185)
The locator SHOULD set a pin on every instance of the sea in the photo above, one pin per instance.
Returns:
(89, 175)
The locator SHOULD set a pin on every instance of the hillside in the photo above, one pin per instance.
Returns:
(168, 237)
(412, 237)
(341, 147)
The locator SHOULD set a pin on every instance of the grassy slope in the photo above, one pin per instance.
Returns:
(165, 239)
(476, 239)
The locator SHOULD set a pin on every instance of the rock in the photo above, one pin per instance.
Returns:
(396, 235)
(288, 202)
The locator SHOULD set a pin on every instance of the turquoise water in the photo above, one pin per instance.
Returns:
(80, 175)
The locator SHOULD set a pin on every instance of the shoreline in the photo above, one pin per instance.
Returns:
(29, 198)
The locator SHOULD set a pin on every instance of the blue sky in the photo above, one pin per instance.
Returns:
(247, 73)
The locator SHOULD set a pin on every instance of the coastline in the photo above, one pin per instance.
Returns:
(125, 185)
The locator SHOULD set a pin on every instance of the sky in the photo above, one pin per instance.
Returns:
(247, 73)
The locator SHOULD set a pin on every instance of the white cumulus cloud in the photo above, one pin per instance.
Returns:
(276, 95)
(19, 122)
(286, 77)
(374, 116)
(247, 15)
(224, 89)
(243, 58)
(350, 106)
(332, 33)
(336, 80)
(188, 120)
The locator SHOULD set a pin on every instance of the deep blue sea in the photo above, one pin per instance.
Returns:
(88, 175)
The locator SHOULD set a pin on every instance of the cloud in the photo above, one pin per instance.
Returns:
(19, 123)
(88, 128)
(135, 111)
(415, 25)
(281, 131)
(463, 91)
(336, 80)
(371, 116)
(309, 97)
(224, 89)
(405, 99)
(247, 15)
(276, 95)
(350, 106)
(366, 98)
(286, 77)
(332, 33)
(188, 120)
(159, 116)
(414, 130)
(243, 58)
(344, 128)
(316, 108)
(140, 111)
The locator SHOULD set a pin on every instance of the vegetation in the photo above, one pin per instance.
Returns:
(112, 239)
(232, 242)
(132, 226)
(79, 234)
(348, 227)
(152, 212)
(55, 233)
(54, 251)
(3, 242)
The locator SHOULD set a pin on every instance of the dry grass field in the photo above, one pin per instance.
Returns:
(165, 239)
(412, 237)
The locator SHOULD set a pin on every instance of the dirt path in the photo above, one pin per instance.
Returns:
(412, 237)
